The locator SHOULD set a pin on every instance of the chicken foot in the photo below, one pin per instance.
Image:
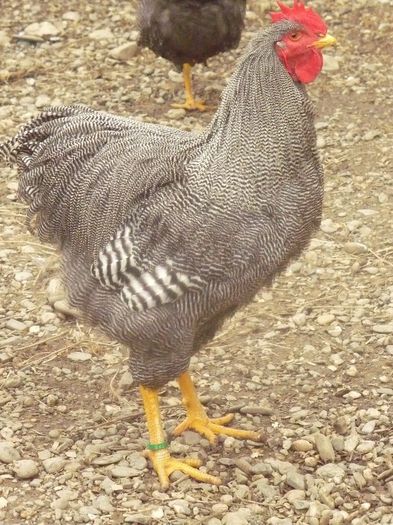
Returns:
(190, 103)
(158, 453)
(198, 420)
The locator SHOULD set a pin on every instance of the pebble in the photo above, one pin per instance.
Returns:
(53, 465)
(328, 226)
(25, 468)
(101, 34)
(124, 472)
(330, 63)
(137, 461)
(295, 495)
(79, 356)
(41, 29)
(4, 39)
(324, 447)
(295, 480)
(355, 248)
(103, 504)
(302, 445)
(330, 471)
(279, 521)
(3, 503)
(14, 324)
(107, 460)
(383, 328)
(180, 506)
(176, 113)
(257, 410)
(124, 52)
(8, 453)
(240, 517)
(325, 319)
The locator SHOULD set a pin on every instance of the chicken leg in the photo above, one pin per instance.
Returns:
(190, 103)
(197, 418)
(158, 452)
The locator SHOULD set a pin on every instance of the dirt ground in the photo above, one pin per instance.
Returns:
(309, 362)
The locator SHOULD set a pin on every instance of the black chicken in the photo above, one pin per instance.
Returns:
(188, 32)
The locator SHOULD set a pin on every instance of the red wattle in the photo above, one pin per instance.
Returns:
(308, 66)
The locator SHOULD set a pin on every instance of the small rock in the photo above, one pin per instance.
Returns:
(139, 518)
(4, 39)
(107, 460)
(41, 29)
(62, 306)
(101, 34)
(355, 248)
(42, 101)
(302, 445)
(124, 52)
(383, 328)
(369, 427)
(103, 504)
(371, 135)
(124, 472)
(330, 63)
(214, 521)
(158, 513)
(325, 319)
(137, 461)
(88, 511)
(25, 468)
(176, 114)
(110, 486)
(8, 453)
(79, 356)
(126, 380)
(257, 410)
(180, 506)
(14, 324)
(330, 471)
(295, 480)
(73, 16)
(328, 226)
(295, 495)
(279, 521)
(3, 503)
(342, 424)
(219, 508)
(324, 447)
(53, 465)
(240, 517)
(365, 447)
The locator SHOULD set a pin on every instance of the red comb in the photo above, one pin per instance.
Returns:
(302, 14)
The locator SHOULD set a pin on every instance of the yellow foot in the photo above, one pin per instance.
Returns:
(211, 427)
(191, 105)
(164, 465)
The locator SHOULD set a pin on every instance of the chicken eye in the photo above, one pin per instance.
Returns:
(295, 36)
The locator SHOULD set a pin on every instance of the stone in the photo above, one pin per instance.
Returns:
(103, 504)
(137, 461)
(295, 480)
(124, 52)
(8, 453)
(14, 324)
(330, 471)
(4, 39)
(176, 113)
(79, 356)
(330, 63)
(180, 506)
(25, 468)
(240, 517)
(324, 447)
(53, 465)
(101, 34)
(302, 445)
(120, 471)
(41, 29)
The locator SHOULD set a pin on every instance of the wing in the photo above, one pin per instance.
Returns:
(149, 274)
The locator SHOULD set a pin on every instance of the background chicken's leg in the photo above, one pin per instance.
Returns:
(197, 418)
(158, 452)
(190, 102)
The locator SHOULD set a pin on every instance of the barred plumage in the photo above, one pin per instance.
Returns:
(164, 233)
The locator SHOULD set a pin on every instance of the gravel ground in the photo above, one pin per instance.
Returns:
(321, 340)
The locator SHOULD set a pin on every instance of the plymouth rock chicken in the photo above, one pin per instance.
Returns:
(165, 233)
(188, 32)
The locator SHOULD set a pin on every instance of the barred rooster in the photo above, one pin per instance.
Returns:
(188, 32)
(165, 233)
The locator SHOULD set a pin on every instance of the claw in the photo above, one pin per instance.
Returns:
(165, 465)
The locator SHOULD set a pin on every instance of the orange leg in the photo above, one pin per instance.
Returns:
(190, 103)
(158, 452)
(197, 418)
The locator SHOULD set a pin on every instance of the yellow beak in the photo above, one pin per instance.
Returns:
(325, 41)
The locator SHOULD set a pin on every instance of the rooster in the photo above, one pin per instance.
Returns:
(187, 32)
(165, 233)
